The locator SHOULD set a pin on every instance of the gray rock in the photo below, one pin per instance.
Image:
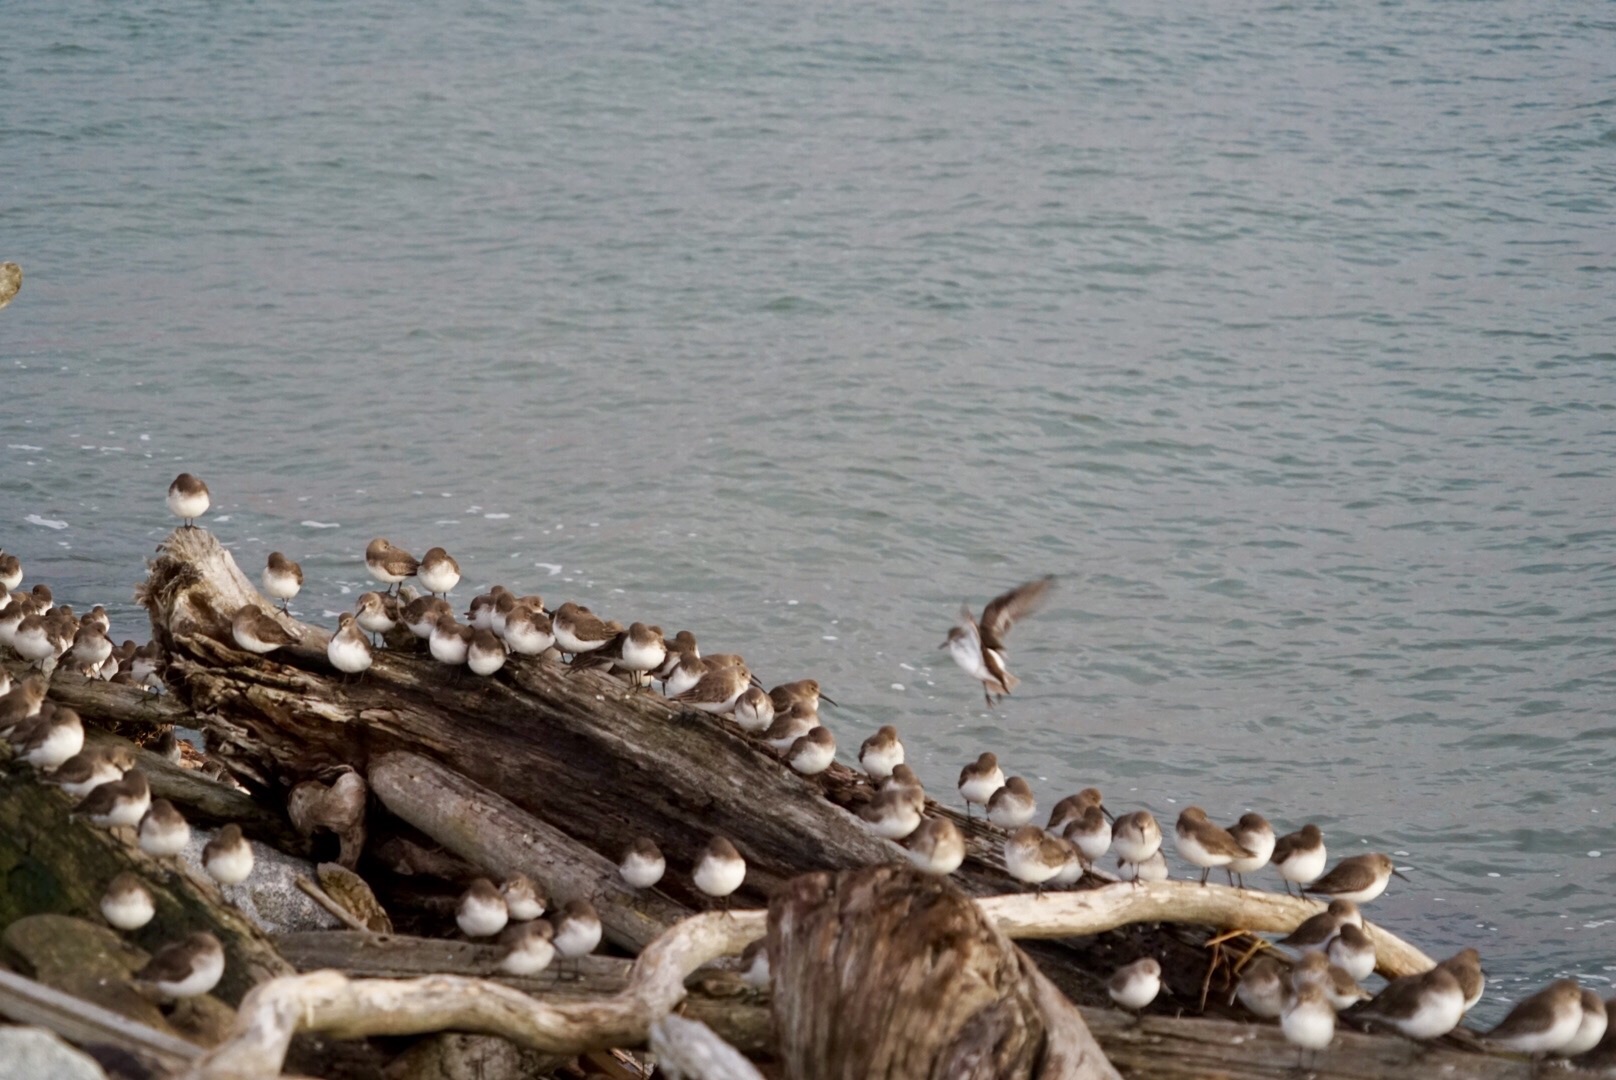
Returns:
(30, 1053)
(270, 896)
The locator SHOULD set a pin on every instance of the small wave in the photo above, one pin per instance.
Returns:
(320, 524)
(49, 523)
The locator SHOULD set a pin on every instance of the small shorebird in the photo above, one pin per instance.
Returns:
(578, 630)
(1033, 857)
(1299, 856)
(420, 616)
(755, 964)
(1204, 844)
(1073, 807)
(577, 930)
(438, 572)
(979, 647)
(804, 691)
(1353, 951)
(481, 911)
(1425, 1006)
(349, 649)
(1013, 805)
(480, 613)
(1091, 834)
(893, 813)
(23, 702)
(1341, 990)
(1314, 933)
(1253, 833)
(119, 804)
(788, 726)
(450, 641)
(35, 639)
(528, 631)
(257, 631)
(529, 948)
(89, 769)
(127, 904)
(186, 968)
(1544, 1023)
(10, 572)
(720, 870)
(683, 671)
(50, 739)
(1465, 965)
(904, 777)
(1136, 838)
(642, 865)
(937, 847)
(163, 831)
(1308, 1021)
(282, 578)
(979, 780)
(228, 858)
(1595, 1020)
(376, 613)
(881, 753)
(1135, 985)
(388, 564)
(754, 711)
(1152, 869)
(90, 646)
(813, 753)
(640, 651)
(187, 498)
(485, 653)
(718, 691)
(524, 900)
(1359, 878)
(1262, 988)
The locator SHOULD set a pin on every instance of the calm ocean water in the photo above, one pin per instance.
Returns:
(1282, 333)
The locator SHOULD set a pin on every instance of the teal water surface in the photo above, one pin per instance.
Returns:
(1282, 333)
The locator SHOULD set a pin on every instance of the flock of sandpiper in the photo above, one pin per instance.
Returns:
(1333, 950)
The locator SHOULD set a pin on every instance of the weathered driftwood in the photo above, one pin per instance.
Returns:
(52, 864)
(583, 752)
(489, 830)
(120, 707)
(690, 1050)
(24, 1001)
(884, 972)
(329, 1001)
(1094, 911)
(202, 799)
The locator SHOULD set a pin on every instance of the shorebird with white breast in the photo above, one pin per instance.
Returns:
(979, 649)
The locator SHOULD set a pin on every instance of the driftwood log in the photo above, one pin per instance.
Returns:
(887, 973)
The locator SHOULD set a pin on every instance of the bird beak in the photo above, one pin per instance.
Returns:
(822, 697)
(1399, 873)
(753, 679)
(1109, 816)
(944, 645)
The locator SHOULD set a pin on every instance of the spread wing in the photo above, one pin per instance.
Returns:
(1005, 609)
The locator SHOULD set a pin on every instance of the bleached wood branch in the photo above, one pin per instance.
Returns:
(689, 1050)
(1093, 911)
(329, 1001)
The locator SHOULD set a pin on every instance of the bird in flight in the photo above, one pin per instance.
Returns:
(978, 647)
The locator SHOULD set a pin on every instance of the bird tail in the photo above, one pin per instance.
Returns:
(1010, 682)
